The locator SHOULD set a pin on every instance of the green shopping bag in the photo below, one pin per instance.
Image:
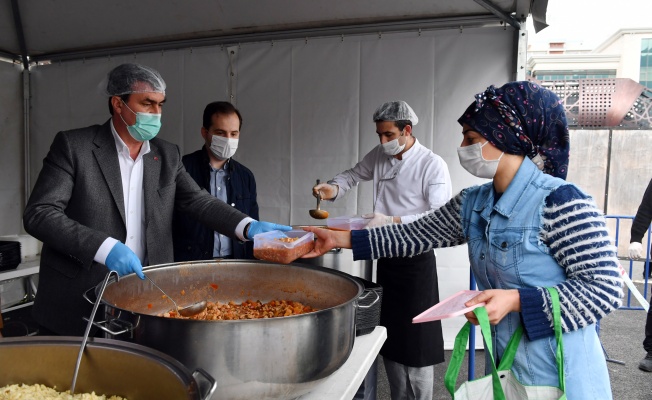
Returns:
(502, 384)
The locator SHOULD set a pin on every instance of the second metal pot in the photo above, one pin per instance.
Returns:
(109, 367)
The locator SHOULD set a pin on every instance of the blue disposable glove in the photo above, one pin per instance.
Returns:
(256, 227)
(124, 261)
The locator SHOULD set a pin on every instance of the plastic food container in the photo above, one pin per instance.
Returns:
(283, 247)
(347, 223)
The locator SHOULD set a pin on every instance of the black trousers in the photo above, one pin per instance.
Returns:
(409, 288)
(647, 342)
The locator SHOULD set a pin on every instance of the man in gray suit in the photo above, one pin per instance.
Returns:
(105, 199)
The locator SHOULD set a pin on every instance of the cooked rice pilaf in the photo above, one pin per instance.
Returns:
(42, 392)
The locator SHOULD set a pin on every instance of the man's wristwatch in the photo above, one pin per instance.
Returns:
(246, 231)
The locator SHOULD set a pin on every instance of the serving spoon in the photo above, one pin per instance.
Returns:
(187, 311)
(318, 213)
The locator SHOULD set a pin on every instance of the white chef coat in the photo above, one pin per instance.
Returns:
(418, 183)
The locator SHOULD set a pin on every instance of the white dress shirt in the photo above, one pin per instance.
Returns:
(418, 183)
(132, 189)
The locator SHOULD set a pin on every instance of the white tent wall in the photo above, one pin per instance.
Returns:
(12, 192)
(306, 106)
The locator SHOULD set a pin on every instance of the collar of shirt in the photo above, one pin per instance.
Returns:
(516, 190)
(225, 167)
(409, 153)
(122, 147)
(505, 203)
(131, 172)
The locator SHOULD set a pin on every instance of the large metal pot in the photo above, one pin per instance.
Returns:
(276, 358)
(342, 260)
(110, 367)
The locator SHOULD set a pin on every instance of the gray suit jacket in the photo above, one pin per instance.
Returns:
(77, 203)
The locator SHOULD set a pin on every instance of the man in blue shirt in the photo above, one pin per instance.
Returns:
(214, 169)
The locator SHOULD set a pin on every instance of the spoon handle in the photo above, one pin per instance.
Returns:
(176, 307)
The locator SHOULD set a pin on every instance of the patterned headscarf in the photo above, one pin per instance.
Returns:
(523, 118)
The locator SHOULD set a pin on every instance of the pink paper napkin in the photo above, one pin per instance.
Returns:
(449, 307)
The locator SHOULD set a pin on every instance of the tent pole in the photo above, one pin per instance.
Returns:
(521, 54)
(26, 135)
(19, 32)
(499, 13)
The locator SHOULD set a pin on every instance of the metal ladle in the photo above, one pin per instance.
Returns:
(187, 311)
(88, 329)
(318, 213)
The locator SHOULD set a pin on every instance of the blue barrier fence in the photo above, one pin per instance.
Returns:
(629, 268)
(629, 264)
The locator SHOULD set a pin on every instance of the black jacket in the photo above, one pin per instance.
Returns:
(192, 239)
(643, 216)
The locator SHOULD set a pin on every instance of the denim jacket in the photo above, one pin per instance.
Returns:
(506, 251)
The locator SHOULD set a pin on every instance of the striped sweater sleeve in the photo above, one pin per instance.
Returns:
(576, 233)
(434, 229)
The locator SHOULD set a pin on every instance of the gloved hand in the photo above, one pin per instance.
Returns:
(328, 191)
(378, 219)
(124, 261)
(256, 227)
(635, 250)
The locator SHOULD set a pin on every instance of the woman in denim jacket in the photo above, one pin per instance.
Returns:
(527, 229)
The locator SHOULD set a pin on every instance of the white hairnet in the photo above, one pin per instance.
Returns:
(134, 78)
(395, 111)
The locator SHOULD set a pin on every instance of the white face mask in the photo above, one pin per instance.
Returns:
(223, 148)
(472, 160)
(392, 147)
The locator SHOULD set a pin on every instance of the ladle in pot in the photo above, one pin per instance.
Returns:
(88, 329)
(318, 213)
(187, 311)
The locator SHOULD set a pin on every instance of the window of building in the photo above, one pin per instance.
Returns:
(574, 75)
(646, 63)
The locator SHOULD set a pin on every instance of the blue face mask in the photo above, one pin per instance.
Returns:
(146, 126)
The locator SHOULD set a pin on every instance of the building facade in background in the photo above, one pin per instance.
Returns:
(625, 54)
(607, 95)
(609, 86)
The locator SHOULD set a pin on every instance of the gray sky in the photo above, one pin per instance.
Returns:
(590, 22)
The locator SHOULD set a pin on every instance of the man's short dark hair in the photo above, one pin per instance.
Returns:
(124, 97)
(402, 123)
(219, 107)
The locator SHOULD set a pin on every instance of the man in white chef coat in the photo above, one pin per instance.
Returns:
(408, 179)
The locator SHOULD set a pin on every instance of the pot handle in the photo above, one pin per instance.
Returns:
(364, 296)
(212, 384)
(85, 295)
(125, 326)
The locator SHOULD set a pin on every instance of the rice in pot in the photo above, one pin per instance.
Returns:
(42, 392)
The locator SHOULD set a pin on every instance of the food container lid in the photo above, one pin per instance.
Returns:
(271, 239)
(283, 247)
(347, 223)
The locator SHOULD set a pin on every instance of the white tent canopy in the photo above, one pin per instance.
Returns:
(78, 29)
(306, 75)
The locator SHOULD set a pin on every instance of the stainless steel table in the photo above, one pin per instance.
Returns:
(26, 270)
(343, 384)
